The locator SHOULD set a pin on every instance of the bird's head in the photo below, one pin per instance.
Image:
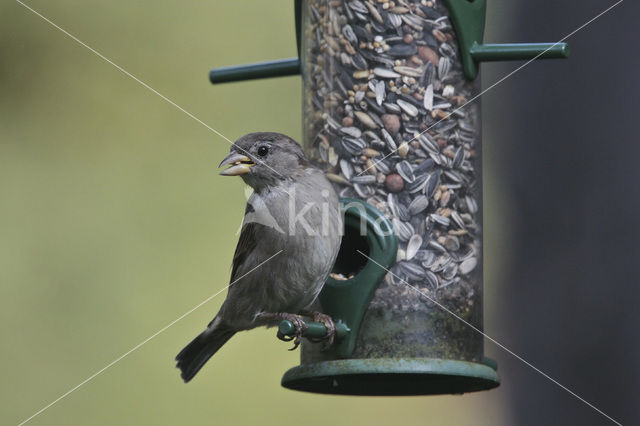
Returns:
(264, 159)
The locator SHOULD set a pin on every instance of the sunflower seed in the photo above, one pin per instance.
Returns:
(426, 257)
(385, 73)
(418, 204)
(455, 216)
(346, 168)
(392, 107)
(467, 265)
(412, 270)
(444, 221)
(404, 230)
(432, 184)
(357, 6)
(428, 98)
(412, 21)
(451, 243)
(353, 145)
(449, 271)
(408, 108)
(444, 66)
(402, 50)
(354, 132)
(457, 159)
(405, 170)
(410, 71)
(431, 279)
(389, 140)
(380, 92)
(472, 206)
(348, 33)
(395, 20)
(364, 179)
(413, 245)
(363, 191)
(435, 245)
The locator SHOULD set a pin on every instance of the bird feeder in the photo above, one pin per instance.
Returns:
(389, 114)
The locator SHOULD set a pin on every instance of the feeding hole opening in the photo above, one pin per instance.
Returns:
(350, 261)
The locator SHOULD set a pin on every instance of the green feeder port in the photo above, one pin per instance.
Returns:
(336, 371)
(368, 246)
(385, 114)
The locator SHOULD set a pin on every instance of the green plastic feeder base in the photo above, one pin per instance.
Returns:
(392, 376)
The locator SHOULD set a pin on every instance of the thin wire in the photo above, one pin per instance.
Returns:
(498, 82)
(503, 347)
(136, 347)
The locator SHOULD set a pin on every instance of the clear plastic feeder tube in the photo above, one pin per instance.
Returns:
(385, 115)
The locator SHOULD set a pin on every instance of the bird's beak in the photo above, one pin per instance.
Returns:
(240, 164)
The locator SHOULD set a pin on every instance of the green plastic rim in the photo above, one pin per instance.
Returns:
(392, 376)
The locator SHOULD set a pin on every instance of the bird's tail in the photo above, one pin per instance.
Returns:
(195, 354)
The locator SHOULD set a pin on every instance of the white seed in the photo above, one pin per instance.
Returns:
(413, 246)
(380, 92)
(400, 255)
(410, 71)
(448, 91)
(385, 73)
(428, 98)
(468, 265)
(408, 108)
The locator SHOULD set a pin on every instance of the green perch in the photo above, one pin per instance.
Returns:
(314, 330)
(518, 51)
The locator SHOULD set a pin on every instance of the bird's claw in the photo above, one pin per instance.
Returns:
(325, 319)
(301, 328)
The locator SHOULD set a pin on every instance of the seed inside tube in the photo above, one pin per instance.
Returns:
(382, 88)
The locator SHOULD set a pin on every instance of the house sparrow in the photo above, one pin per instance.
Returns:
(293, 214)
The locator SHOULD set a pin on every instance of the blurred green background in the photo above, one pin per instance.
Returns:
(114, 221)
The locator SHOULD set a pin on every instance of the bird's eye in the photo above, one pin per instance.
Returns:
(263, 150)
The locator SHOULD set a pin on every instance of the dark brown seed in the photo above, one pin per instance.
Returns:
(394, 183)
(391, 123)
(428, 54)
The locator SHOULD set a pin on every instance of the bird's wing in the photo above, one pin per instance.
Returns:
(247, 242)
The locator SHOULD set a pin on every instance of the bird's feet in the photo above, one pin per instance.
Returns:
(298, 323)
(328, 322)
(301, 328)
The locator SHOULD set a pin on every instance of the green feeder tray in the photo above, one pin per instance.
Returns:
(392, 376)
